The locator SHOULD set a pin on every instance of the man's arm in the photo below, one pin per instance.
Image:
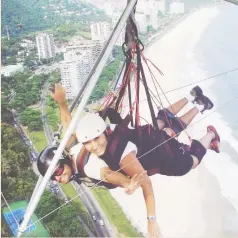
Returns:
(131, 166)
(59, 96)
(116, 178)
(96, 168)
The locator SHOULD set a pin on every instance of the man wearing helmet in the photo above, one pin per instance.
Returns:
(64, 169)
(94, 166)
(75, 157)
(68, 169)
(118, 148)
(123, 150)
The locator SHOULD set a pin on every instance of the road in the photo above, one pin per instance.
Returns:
(47, 129)
(91, 234)
(94, 210)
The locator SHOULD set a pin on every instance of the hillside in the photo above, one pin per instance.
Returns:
(23, 16)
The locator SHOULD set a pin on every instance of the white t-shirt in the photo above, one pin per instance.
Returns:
(95, 164)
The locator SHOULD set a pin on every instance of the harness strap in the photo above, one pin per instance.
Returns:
(81, 159)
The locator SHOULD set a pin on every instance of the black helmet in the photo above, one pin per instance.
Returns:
(46, 156)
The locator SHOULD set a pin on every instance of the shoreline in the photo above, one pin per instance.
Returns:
(166, 30)
(193, 205)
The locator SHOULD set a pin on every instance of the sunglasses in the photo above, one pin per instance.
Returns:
(59, 171)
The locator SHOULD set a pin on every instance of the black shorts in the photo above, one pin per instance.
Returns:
(172, 158)
(178, 165)
(182, 161)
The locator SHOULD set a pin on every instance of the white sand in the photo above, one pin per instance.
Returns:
(192, 205)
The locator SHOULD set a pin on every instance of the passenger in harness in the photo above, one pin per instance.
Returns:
(75, 156)
(165, 117)
(160, 162)
(70, 168)
(122, 150)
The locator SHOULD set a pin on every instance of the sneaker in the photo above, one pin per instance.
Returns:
(196, 91)
(215, 143)
(205, 101)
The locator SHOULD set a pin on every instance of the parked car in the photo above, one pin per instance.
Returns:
(101, 222)
(94, 218)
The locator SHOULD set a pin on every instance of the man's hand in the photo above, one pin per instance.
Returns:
(135, 183)
(153, 230)
(58, 93)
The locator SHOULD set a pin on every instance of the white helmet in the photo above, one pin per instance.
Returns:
(90, 127)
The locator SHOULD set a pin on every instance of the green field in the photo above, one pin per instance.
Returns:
(40, 230)
(81, 208)
(114, 213)
(38, 139)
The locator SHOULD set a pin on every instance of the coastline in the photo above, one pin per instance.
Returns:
(192, 205)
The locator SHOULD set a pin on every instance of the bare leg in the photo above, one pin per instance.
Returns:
(188, 116)
(205, 141)
(176, 107)
(161, 124)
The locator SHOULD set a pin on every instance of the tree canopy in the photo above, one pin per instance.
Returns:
(18, 181)
(108, 75)
(32, 119)
(23, 16)
(27, 89)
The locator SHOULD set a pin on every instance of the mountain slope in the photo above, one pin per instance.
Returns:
(39, 15)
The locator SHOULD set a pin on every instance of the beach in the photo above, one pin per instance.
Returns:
(203, 203)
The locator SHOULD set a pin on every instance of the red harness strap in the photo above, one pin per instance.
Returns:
(168, 121)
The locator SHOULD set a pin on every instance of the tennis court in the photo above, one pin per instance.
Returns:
(14, 222)
(16, 215)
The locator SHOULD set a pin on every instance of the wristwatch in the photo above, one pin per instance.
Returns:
(151, 218)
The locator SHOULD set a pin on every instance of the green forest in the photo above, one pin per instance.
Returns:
(23, 16)
(18, 182)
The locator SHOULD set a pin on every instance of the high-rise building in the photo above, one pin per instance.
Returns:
(154, 14)
(164, 5)
(146, 7)
(177, 7)
(93, 48)
(167, 5)
(108, 8)
(45, 46)
(74, 70)
(100, 31)
(141, 22)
